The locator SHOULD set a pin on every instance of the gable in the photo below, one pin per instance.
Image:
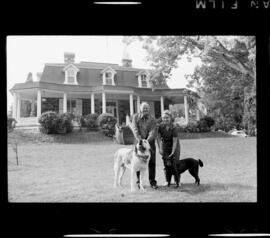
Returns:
(71, 66)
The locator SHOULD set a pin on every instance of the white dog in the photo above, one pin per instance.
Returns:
(135, 160)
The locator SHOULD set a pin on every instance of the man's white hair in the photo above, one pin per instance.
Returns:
(143, 104)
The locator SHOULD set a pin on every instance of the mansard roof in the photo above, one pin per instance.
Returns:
(90, 74)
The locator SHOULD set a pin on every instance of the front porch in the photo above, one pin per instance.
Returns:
(31, 103)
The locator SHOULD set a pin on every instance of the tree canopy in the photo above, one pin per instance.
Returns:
(164, 52)
(226, 80)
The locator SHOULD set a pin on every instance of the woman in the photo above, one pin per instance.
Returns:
(168, 142)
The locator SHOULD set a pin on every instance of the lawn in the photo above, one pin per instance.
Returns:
(62, 169)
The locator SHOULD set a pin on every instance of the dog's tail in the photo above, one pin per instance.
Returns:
(200, 162)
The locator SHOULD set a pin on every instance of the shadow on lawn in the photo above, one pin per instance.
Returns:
(193, 189)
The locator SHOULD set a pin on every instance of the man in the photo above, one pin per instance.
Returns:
(144, 127)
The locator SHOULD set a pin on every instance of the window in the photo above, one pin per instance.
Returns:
(109, 79)
(143, 81)
(71, 76)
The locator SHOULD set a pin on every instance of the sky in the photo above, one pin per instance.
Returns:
(30, 53)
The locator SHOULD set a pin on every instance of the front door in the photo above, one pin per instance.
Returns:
(71, 106)
(111, 108)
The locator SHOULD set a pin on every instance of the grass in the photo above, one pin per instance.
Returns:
(65, 169)
(77, 137)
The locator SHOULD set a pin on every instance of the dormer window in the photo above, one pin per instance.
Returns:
(109, 79)
(143, 80)
(71, 74)
(108, 76)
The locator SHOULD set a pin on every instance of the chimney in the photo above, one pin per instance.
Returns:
(69, 57)
(29, 77)
(126, 61)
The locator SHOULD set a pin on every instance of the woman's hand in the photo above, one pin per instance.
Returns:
(161, 151)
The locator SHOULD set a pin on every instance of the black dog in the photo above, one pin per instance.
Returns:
(178, 167)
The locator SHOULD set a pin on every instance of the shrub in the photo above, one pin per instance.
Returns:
(205, 124)
(202, 126)
(224, 124)
(209, 121)
(53, 123)
(64, 122)
(90, 121)
(11, 122)
(192, 127)
(106, 122)
(48, 122)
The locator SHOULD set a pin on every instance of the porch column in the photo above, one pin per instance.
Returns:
(14, 108)
(197, 114)
(138, 103)
(18, 114)
(64, 102)
(131, 109)
(92, 103)
(103, 102)
(38, 102)
(161, 104)
(186, 109)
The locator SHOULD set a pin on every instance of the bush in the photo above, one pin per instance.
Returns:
(90, 121)
(48, 122)
(53, 123)
(224, 124)
(65, 122)
(192, 127)
(209, 121)
(11, 122)
(205, 124)
(106, 122)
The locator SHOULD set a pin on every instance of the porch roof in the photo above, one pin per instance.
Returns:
(168, 92)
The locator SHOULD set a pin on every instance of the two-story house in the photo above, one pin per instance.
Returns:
(90, 87)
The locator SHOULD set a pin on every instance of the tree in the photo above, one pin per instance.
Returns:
(226, 80)
(164, 52)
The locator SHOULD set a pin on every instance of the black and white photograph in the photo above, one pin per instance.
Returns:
(135, 118)
(132, 119)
